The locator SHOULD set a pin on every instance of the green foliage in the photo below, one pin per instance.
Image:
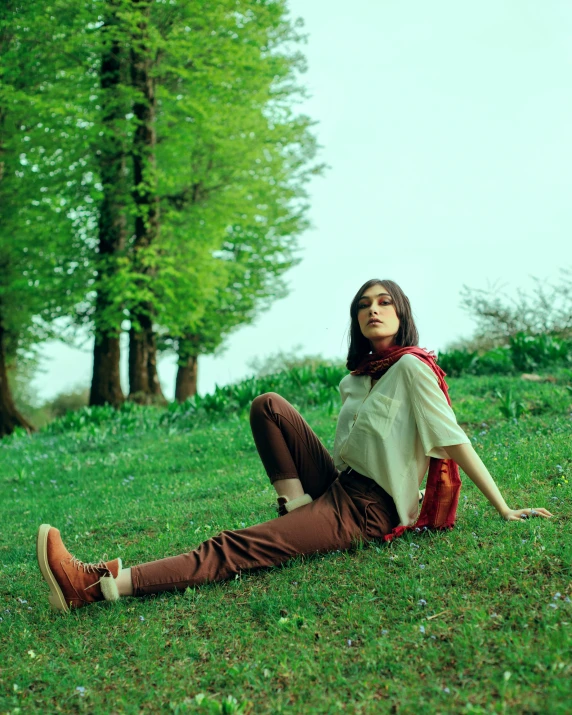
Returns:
(99, 421)
(228, 170)
(457, 362)
(228, 706)
(531, 352)
(226, 166)
(509, 407)
(497, 361)
(44, 184)
(524, 353)
(71, 401)
(365, 632)
(330, 375)
(303, 386)
(41, 414)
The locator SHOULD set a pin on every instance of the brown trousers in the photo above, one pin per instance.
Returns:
(347, 507)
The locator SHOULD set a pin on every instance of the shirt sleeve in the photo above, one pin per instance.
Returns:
(436, 421)
(343, 389)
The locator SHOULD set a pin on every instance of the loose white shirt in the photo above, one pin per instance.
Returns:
(390, 431)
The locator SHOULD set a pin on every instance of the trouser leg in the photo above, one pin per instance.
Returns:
(288, 447)
(351, 509)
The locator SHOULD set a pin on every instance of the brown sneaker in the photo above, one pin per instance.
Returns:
(72, 583)
(285, 505)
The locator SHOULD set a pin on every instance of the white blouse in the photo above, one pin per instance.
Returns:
(388, 432)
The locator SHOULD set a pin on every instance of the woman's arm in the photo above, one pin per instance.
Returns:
(472, 465)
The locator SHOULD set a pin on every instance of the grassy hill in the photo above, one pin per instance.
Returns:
(477, 620)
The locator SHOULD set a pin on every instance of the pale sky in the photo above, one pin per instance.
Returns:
(447, 127)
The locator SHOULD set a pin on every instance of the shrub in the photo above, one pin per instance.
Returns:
(497, 361)
(68, 401)
(457, 362)
(302, 385)
(530, 352)
(128, 416)
(525, 353)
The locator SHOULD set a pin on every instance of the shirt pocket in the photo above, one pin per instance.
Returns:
(378, 414)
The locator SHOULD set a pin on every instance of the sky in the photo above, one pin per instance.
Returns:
(447, 130)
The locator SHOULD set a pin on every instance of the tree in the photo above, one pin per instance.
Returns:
(143, 376)
(113, 226)
(41, 255)
(241, 284)
(547, 309)
(150, 155)
(246, 277)
(233, 188)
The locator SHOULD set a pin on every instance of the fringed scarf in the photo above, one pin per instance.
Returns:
(443, 480)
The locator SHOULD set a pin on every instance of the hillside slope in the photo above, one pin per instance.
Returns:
(476, 620)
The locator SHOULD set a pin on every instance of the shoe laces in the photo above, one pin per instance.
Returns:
(92, 568)
(88, 567)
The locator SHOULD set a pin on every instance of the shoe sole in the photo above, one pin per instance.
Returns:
(56, 597)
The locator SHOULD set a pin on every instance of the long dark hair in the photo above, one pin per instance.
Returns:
(358, 345)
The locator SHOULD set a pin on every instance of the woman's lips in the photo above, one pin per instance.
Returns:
(374, 322)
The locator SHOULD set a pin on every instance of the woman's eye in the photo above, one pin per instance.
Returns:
(361, 306)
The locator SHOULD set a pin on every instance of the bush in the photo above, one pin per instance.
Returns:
(106, 418)
(530, 352)
(457, 362)
(67, 402)
(303, 385)
(497, 361)
(525, 353)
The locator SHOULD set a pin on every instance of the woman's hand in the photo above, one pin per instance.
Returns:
(518, 514)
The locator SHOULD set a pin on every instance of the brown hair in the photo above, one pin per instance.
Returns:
(358, 345)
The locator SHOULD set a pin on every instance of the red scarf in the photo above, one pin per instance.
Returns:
(443, 480)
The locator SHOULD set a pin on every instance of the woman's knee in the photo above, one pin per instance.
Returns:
(262, 404)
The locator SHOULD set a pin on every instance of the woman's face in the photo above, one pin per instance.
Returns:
(377, 318)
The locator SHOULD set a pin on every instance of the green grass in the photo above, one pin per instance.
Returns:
(340, 633)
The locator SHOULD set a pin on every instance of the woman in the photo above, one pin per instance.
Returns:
(395, 422)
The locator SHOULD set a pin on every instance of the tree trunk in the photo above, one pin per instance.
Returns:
(144, 382)
(189, 348)
(138, 376)
(106, 384)
(186, 385)
(152, 374)
(10, 418)
(144, 385)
